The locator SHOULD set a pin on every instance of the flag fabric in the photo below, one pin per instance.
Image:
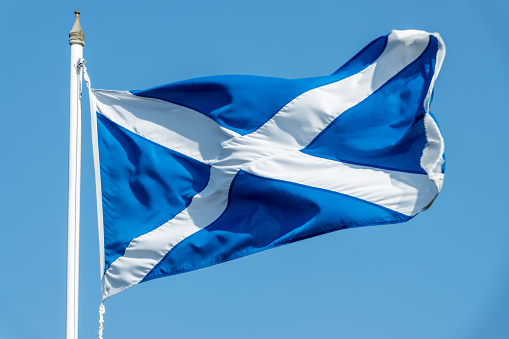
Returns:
(203, 171)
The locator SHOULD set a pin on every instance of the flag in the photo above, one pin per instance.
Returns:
(203, 171)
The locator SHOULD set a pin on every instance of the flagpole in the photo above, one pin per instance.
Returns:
(76, 41)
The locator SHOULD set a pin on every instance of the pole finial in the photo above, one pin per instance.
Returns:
(76, 35)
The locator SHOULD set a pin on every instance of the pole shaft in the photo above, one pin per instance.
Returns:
(73, 215)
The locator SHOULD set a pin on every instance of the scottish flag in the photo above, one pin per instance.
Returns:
(203, 171)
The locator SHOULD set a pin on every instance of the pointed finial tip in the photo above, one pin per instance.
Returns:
(76, 35)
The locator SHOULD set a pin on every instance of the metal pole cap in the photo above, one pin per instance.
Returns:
(76, 35)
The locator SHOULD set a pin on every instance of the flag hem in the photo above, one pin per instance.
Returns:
(97, 172)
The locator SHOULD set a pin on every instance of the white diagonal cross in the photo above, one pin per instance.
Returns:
(272, 151)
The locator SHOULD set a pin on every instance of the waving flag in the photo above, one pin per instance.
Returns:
(203, 171)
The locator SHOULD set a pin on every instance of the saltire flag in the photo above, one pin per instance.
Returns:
(203, 171)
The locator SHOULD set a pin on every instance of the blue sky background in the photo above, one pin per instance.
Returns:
(444, 274)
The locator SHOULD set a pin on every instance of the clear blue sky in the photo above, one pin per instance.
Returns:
(444, 274)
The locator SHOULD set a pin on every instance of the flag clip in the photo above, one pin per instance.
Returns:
(80, 64)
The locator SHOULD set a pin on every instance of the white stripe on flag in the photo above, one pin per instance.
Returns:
(165, 123)
(298, 123)
(406, 193)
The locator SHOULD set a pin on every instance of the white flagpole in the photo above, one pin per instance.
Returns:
(76, 41)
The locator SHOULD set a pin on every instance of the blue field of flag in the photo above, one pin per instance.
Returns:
(203, 171)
